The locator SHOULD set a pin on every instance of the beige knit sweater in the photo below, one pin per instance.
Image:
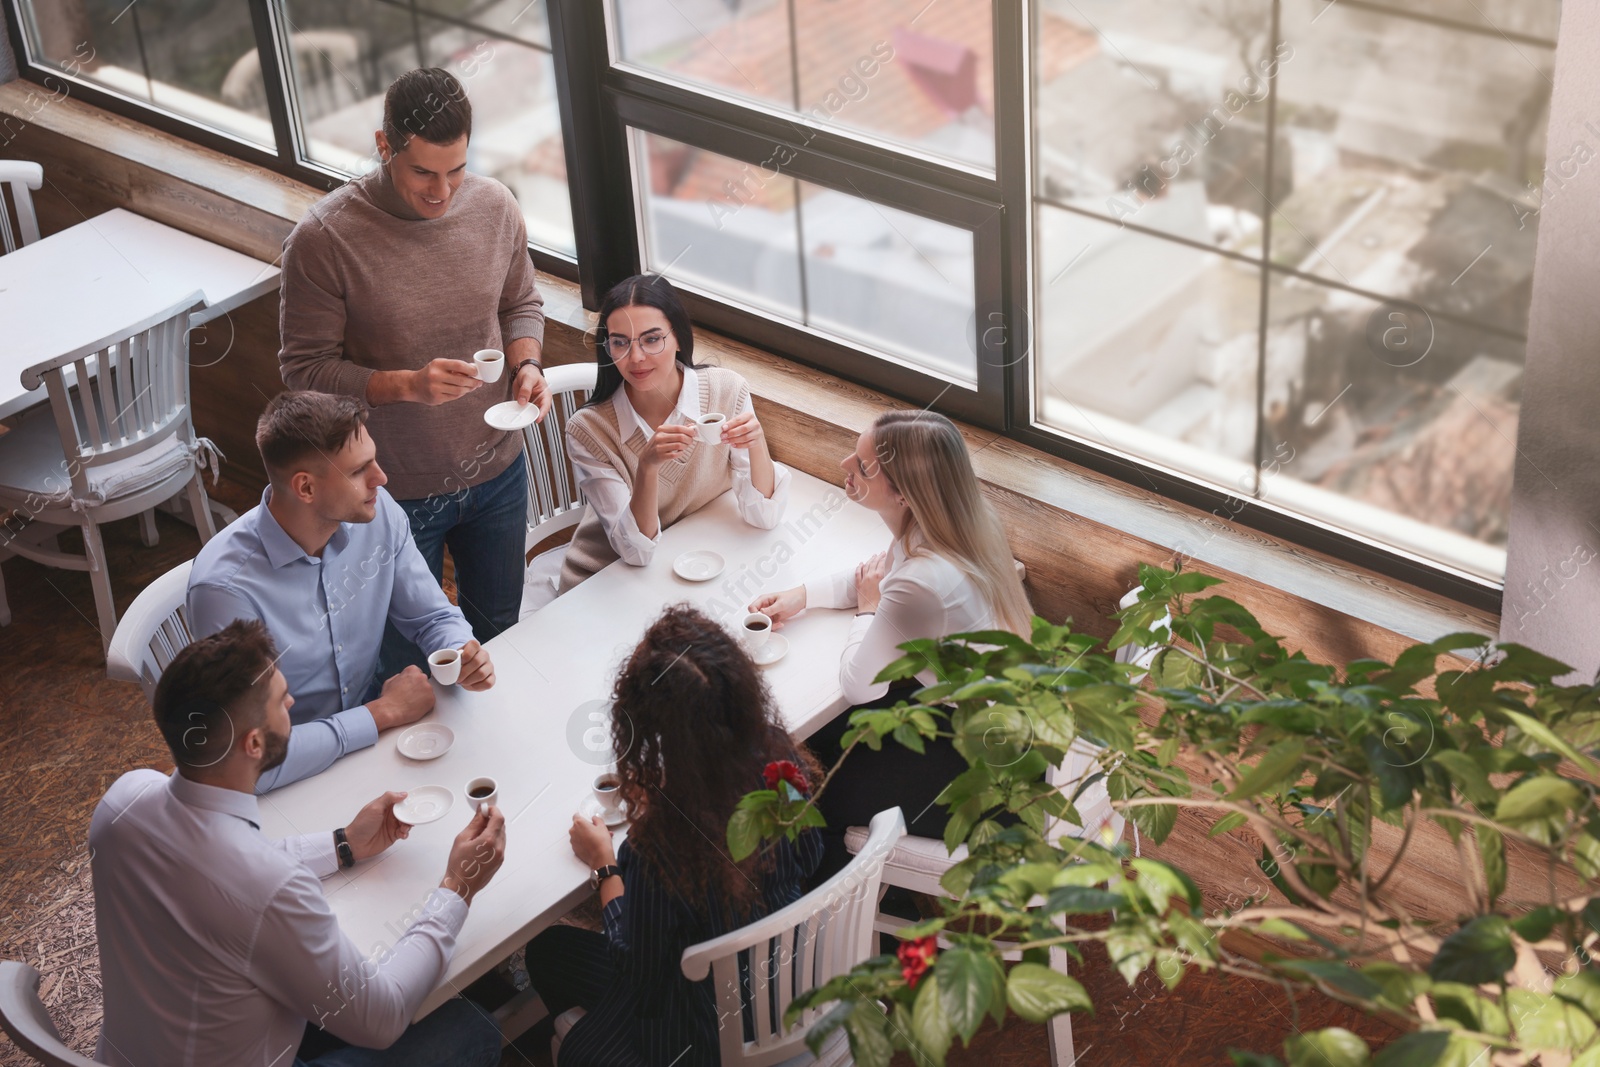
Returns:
(684, 485)
(369, 286)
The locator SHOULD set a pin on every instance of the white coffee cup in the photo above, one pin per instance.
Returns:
(446, 665)
(710, 427)
(608, 791)
(491, 362)
(754, 629)
(488, 787)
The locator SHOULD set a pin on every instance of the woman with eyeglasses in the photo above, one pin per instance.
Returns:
(635, 444)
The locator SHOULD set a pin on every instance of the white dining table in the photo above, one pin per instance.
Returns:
(102, 275)
(540, 734)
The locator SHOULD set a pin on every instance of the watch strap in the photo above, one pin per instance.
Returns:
(602, 873)
(341, 845)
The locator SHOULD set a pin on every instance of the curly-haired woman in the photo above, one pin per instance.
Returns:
(695, 729)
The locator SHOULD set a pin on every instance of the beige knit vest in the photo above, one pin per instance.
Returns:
(684, 485)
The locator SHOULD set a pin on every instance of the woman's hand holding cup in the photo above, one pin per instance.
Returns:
(743, 431)
(669, 443)
(780, 607)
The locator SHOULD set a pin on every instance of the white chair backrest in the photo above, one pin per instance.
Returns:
(19, 177)
(1139, 655)
(759, 969)
(22, 1016)
(323, 62)
(136, 397)
(554, 502)
(153, 630)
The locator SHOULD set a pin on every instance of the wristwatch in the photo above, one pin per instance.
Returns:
(341, 845)
(601, 874)
(518, 368)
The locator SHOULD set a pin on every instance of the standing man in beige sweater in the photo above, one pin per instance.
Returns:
(390, 284)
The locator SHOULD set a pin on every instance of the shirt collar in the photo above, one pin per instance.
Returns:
(282, 549)
(688, 406)
(215, 798)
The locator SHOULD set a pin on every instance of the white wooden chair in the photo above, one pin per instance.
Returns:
(555, 503)
(114, 441)
(153, 630)
(19, 176)
(758, 970)
(23, 1017)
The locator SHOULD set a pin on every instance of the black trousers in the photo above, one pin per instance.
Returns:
(870, 782)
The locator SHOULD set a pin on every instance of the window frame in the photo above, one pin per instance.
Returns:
(599, 99)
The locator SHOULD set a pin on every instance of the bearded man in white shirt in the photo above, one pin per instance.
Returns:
(216, 944)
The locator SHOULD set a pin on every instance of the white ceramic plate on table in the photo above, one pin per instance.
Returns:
(424, 804)
(591, 807)
(699, 566)
(511, 415)
(771, 651)
(425, 740)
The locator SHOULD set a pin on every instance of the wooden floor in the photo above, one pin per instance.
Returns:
(66, 732)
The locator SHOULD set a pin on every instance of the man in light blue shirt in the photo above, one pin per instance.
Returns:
(323, 561)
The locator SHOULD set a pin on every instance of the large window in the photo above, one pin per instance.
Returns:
(1287, 248)
(1269, 257)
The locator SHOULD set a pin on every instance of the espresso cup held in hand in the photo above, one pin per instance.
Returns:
(481, 791)
(491, 362)
(754, 630)
(709, 427)
(608, 791)
(446, 665)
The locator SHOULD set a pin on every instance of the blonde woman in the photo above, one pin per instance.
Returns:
(947, 570)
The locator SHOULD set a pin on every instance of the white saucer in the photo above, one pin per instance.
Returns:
(424, 804)
(699, 566)
(425, 740)
(511, 415)
(591, 807)
(776, 647)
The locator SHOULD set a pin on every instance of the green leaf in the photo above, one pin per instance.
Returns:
(1160, 881)
(1543, 1021)
(824, 1027)
(1547, 737)
(1082, 900)
(1333, 1047)
(1538, 798)
(1468, 777)
(1582, 989)
(1432, 1048)
(908, 736)
(1172, 669)
(1492, 849)
(1038, 993)
(931, 1028)
(1336, 974)
(1282, 928)
(1537, 924)
(1472, 1010)
(744, 833)
(868, 1028)
(1278, 764)
(1479, 952)
(1393, 767)
(1242, 1058)
(969, 983)
(1230, 821)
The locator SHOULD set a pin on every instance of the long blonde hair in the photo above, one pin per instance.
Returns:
(926, 460)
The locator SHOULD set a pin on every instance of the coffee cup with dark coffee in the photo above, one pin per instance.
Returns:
(754, 630)
(608, 791)
(481, 791)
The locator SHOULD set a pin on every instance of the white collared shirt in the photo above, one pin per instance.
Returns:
(216, 945)
(611, 496)
(923, 595)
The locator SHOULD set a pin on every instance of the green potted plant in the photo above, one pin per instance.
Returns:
(1335, 771)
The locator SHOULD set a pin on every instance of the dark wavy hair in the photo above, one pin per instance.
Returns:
(641, 290)
(694, 725)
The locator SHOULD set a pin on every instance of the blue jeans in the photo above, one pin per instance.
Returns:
(457, 1034)
(486, 528)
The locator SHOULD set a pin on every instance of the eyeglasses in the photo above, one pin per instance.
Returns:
(650, 345)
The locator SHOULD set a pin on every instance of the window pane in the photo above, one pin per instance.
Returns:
(522, 19)
(1432, 201)
(1154, 112)
(912, 72)
(345, 54)
(873, 276)
(1149, 347)
(1396, 425)
(194, 58)
(516, 123)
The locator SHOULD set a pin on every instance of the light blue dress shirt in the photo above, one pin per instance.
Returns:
(326, 616)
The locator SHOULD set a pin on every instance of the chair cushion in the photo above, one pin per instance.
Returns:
(540, 581)
(916, 855)
(32, 465)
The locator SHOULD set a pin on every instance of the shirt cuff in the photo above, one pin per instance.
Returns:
(829, 591)
(360, 728)
(447, 905)
(317, 852)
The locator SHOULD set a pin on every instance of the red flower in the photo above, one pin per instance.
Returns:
(785, 771)
(916, 957)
